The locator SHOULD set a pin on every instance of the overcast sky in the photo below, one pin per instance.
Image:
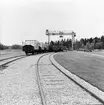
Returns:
(28, 19)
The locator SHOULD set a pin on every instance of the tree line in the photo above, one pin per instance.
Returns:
(83, 43)
(90, 43)
(15, 46)
(2, 47)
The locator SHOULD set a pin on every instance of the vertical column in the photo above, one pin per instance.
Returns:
(72, 39)
(48, 39)
(48, 34)
(72, 42)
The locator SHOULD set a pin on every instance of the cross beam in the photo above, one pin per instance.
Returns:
(70, 32)
(49, 32)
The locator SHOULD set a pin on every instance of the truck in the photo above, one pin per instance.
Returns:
(30, 46)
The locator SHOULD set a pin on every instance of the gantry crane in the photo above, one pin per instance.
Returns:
(60, 33)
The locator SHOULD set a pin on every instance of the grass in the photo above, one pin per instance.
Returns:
(85, 65)
(10, 53)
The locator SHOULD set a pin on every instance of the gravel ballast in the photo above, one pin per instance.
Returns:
(18, 83)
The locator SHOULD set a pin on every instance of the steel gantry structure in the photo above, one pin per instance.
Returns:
(61, 33)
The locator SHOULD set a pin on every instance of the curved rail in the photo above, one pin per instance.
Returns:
(4, 62)
(39, 82)
(10, 57)
(83, 87)
(42, 95)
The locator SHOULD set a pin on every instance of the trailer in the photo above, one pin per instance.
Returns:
(30, 46)
(34, 47)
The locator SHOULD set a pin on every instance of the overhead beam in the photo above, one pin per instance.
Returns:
(48, 32)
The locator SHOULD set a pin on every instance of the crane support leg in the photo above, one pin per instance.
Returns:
(49, 39)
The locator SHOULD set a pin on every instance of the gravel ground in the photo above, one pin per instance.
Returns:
(18, 83)
(60, 90)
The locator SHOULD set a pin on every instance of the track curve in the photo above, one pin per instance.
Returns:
(94, 91)
(39, 83)
(51, 80)
(4, 62)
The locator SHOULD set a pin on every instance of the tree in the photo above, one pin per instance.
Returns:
(1, 46)
(82, 41)
(90, 40)
(88, 46)
(77, 45)
(98, 45)
(102, 39)
(92, 46)
(16, 46)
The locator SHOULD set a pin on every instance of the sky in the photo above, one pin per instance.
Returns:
(28, 19)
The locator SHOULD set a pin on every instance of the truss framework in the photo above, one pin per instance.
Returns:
(65, 32)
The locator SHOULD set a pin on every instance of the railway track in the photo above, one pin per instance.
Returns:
(6, 61)
(58, 89)
(10, 57)
(42, 96)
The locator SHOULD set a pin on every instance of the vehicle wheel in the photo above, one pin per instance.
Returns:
(26, 53)
(32, 53)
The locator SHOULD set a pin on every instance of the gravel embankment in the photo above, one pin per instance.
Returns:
(18, 83)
